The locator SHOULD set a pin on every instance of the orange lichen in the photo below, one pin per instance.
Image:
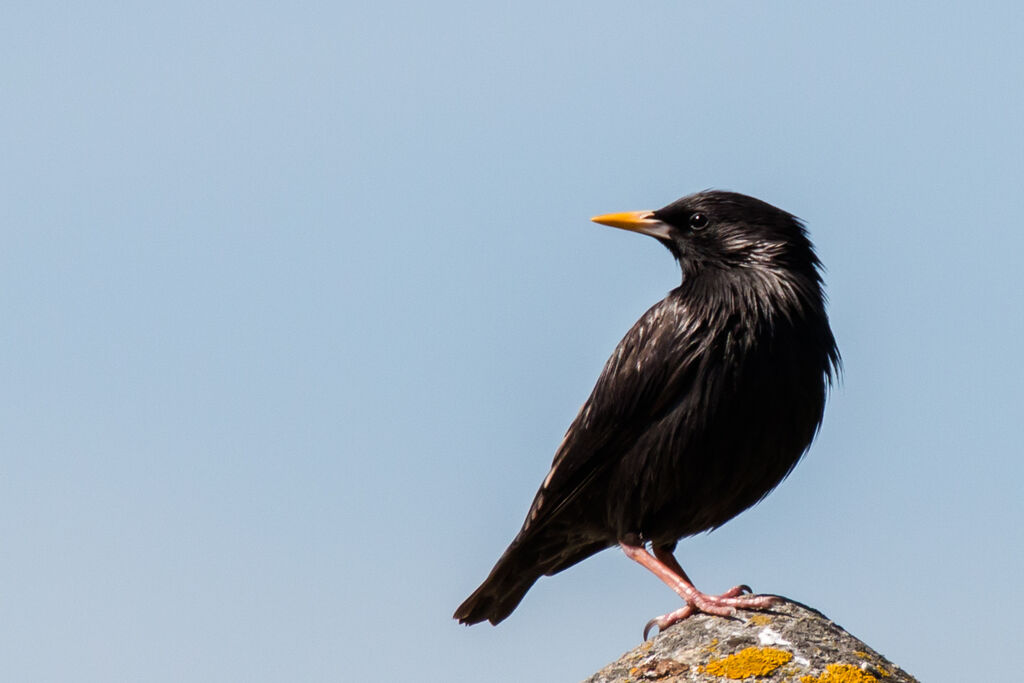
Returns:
(840, 673)
(752, 661)
(879, 670)
(760, 619)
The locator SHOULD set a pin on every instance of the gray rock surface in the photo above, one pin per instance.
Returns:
(791, 643)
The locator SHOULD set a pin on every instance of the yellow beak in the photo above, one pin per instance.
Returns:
(636, 221)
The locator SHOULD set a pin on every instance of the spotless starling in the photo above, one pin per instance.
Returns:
(703, 408)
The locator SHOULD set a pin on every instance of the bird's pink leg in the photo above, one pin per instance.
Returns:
(666, 568)
(670, 561)
(666, 556)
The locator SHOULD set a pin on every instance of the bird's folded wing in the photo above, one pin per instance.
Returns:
(652, 370)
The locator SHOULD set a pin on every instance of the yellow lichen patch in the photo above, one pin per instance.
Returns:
(760, 619)
(753, 661)
(840, 673)
(712, 647)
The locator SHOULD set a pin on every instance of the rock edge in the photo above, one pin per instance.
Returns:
(790, 642)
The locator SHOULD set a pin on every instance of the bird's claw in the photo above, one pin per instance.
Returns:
(650, 624)
(666, 620)
(724, 605)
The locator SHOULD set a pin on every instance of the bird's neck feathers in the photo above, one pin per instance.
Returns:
(759, 290)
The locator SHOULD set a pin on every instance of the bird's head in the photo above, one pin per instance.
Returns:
(724, 233)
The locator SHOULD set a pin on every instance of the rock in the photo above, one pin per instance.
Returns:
(790, 643)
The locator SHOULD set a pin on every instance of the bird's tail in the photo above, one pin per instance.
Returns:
(525, 561)
(501, 591)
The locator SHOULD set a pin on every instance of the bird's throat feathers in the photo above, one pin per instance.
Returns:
(759, 291)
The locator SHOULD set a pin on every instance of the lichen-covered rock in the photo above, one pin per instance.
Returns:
(790, 643)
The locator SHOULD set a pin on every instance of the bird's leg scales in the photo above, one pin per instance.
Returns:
(664, 553)
(664, 565)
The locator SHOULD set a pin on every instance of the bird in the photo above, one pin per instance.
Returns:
(703, 408)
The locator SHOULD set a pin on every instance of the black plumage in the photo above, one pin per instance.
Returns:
(703, 408)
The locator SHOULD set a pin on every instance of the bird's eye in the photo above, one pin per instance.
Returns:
(698, 221)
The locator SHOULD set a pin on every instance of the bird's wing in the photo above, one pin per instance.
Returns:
(652, 369)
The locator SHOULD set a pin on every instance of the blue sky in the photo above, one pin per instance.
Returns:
(299, 299)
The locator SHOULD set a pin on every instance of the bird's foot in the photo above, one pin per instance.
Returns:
(724, 605)
(666, 568)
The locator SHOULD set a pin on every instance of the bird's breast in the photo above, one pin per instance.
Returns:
(752, 406)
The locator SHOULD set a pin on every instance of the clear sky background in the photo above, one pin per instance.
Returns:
(299, 298)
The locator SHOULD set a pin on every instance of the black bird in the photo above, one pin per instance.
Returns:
(704, 407)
